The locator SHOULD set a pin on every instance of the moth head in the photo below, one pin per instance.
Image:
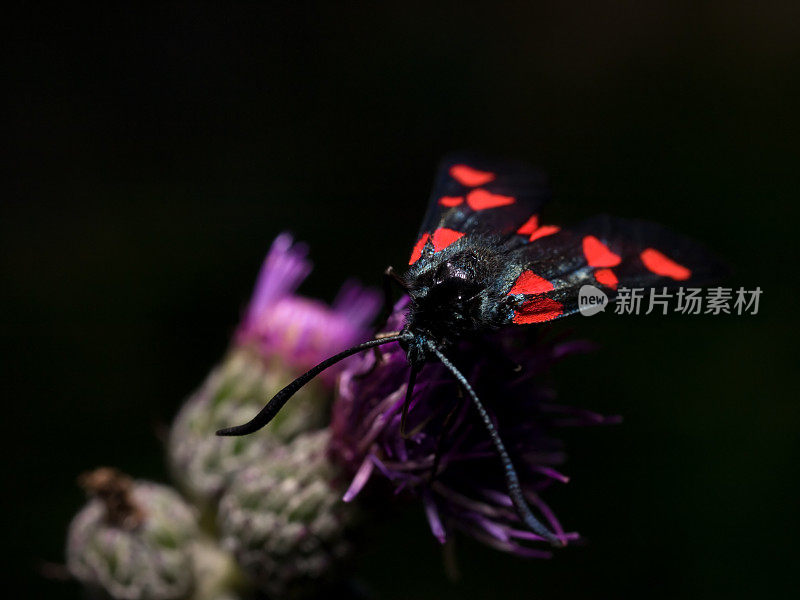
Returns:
(448, 296)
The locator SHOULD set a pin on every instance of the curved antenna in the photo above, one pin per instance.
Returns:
(272, 408)
(512, 479)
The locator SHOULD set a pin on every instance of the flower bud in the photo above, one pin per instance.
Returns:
(132, 540)
(237, 389)
(284, 520)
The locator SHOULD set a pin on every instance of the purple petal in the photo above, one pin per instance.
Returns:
(360, 480)
(464, 502)
(574, 347)
(500, 498)
(356, 304)
(492, 528)
(510, 546)
(283, 270)
(435, 522)
(551, 473)
(548, 514)
(381, 467)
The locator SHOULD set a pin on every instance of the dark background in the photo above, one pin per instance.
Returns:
(155, 156)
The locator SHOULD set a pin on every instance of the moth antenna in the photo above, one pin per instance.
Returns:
(512, 479)
(278, 401)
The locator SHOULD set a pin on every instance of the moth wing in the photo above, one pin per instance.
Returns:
(478, 195)
(608, 253)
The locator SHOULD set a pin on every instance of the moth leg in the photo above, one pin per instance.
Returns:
(412, 379)
(444, 433)
(377, 354)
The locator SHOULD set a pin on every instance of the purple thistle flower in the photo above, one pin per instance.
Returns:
(281, 335)
(468, 492)
(302, 331)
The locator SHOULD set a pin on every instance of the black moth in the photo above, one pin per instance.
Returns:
(484, 261)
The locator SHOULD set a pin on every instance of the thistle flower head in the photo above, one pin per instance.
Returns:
(302, 331)
(468, 491)
(280, 336)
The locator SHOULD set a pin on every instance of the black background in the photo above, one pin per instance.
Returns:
(154, 157)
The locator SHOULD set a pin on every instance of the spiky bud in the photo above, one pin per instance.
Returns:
(132, 540)
(202, 462)
(284, 520)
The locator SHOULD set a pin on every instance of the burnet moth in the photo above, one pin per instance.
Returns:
(485, 259)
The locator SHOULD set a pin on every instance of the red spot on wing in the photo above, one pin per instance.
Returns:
(443, 237)
(607, 278)
(530, 283)
(530, 226)
(543, 231)
(417, 251)
(470, 177)
(451, 200)
(660, 264)
(538, 310)
(481, 199)
(597, 253)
